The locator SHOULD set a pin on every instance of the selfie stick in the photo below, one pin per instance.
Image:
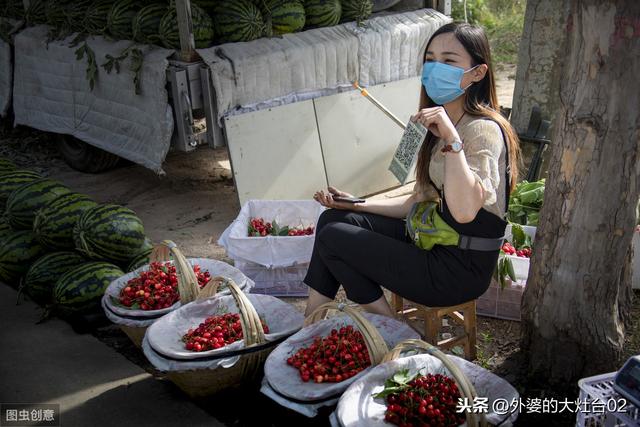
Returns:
(375, 102)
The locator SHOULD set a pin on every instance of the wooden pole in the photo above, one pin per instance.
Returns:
(185, 28)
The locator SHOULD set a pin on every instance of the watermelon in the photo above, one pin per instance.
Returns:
(95, 19)
(53, 225)
(80, 289)
(110, 232)
(17, 251)
(120, 18)
(27, 200)
(356, 10)
(285, 16)
(36, 12)
(322, 13)
(6, 166)
(76, 13)
(146, 24)
(45, 272)
(11, 181)
(56, 13)
(12, 9)
(5, 228)
(203, 33)
(142, 259)
(238, 21)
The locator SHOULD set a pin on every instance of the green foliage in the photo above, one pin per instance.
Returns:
(503, 21)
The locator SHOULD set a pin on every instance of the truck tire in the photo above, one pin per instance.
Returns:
(84, 157)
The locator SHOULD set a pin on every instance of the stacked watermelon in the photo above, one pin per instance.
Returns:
(120, 18)
(283, 16)
(45, 272)
(203, 29)
(80, 289)
(109, 232)
(238, 21)
(95, 18)
(146, 24)
(53, 224)
(36, 12)
(356, 10)
(322, 13)
(66, 247)
(24, 202)
(11, 181)
(17, 251)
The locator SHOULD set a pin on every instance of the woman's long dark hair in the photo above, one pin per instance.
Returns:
(481, 98)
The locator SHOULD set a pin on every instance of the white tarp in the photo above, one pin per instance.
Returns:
(6, 76)
(269, 72)
(51, 93)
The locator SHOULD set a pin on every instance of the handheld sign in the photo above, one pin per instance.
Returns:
(407, 152)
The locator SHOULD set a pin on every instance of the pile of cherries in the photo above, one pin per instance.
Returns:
(216, 332)
(427, 400)
(156, 288)
(334, 358)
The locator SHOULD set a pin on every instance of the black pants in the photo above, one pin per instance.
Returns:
(365, 252)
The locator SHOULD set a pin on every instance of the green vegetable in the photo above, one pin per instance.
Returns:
(525, 202)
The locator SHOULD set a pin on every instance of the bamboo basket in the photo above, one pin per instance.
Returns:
(187, 283)
(204, 382)
(464, 384)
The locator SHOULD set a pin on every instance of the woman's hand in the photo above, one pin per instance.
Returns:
(325, 198)
(438, 122)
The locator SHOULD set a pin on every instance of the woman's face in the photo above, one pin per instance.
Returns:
(447, 49)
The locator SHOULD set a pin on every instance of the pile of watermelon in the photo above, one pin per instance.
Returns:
(214, 21)
(61, 247)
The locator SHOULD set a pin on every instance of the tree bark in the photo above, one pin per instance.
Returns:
(578, 290)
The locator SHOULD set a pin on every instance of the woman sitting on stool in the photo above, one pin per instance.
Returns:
(468, 163)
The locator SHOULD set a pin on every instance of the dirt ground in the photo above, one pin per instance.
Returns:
(195, 201)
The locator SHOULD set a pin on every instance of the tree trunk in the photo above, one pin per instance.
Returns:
(579, 285)
(540, 59)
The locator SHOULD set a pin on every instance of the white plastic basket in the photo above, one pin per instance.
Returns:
(599, 389)
(278, 282)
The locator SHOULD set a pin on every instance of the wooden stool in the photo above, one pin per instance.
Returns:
(462, 314)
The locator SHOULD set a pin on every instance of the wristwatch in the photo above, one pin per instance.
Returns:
(455, 147)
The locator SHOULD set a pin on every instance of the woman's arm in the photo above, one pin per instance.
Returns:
(463, 193)
(397, 207)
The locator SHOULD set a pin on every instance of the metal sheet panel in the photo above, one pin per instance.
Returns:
(275, 153)
(358, 140)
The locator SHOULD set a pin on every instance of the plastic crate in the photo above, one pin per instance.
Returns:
(599, 388)
(278, 282)
(501, 303)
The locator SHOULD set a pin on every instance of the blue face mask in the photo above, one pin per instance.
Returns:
(442, 81)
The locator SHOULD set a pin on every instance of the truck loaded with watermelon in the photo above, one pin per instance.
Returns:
(60, 247)
(150, 23)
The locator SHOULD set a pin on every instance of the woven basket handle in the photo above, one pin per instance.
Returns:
(251, 325)
(464, 384)
(187, 280)
(372, 338)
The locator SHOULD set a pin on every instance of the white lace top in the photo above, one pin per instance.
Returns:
(484, 149)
